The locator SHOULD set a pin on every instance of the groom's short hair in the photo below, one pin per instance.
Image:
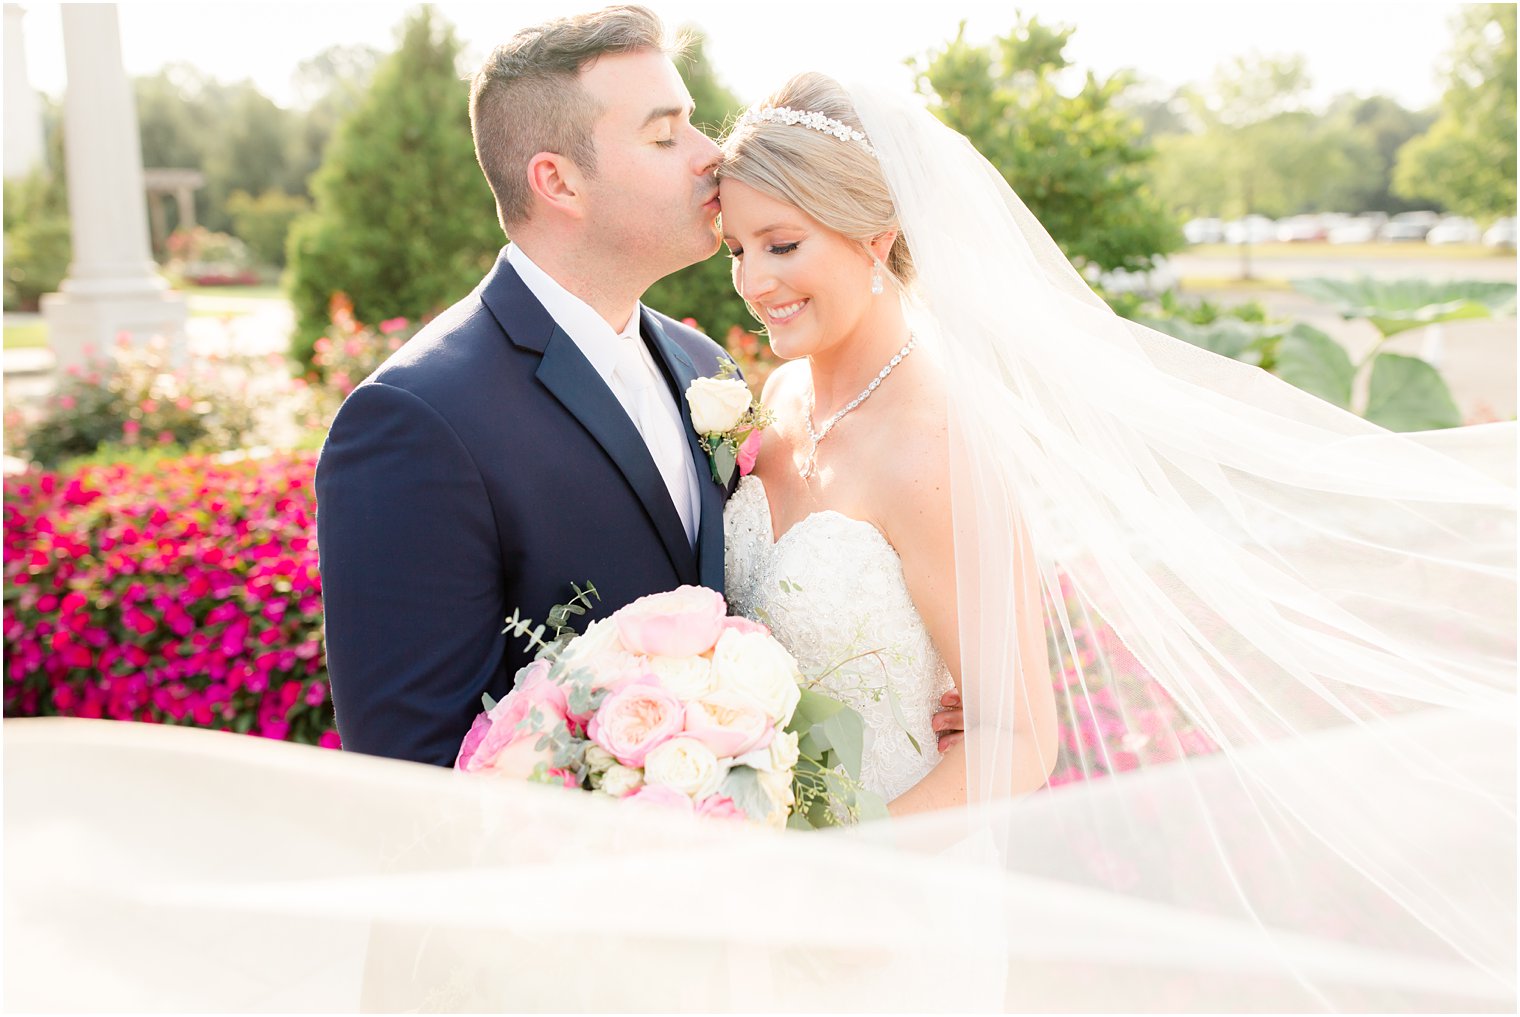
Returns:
(528, 98)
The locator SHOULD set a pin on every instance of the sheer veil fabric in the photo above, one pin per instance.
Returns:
(1292, 631)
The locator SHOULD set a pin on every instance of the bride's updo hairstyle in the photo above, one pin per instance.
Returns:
(836, 181)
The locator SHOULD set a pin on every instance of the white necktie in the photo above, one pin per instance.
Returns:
(653, 420)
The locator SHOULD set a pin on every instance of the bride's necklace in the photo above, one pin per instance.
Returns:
(810, 467)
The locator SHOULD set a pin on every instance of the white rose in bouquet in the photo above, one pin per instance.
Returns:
(684, 765)
(687, 678)
(717, 404)
(620, 780)
(777, 757)
(757, 665)
(778, 791)
(598, 759)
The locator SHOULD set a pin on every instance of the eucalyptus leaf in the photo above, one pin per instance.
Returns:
(870, 805)
(798, 821)
(846, 734)
(1407, 394)
(1310, 359)
(743, 785)
(487, 702)
(901, 717)
(723, 462)
(813, 708)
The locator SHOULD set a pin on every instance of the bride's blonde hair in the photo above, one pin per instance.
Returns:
(839, 183)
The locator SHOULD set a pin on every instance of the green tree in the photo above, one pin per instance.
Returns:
(1466, 161)
(1077, 161)
(704, 291)
(1383, 125)
(404, 222)
(329, 86)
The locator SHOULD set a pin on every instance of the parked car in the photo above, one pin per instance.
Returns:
(1501, 234)
(1454, 229)
(1253, 229)
(1203, 231)
(1409, 226)
(1301, 229)
(1361, 230)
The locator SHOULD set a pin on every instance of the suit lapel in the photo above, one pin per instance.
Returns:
(679, 373)
(566, 373)
(569, 376)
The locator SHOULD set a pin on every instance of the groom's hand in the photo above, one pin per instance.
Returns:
(950, 722)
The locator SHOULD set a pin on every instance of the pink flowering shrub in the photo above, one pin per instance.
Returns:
(1113, 715)
(350, 351)
(185, 592)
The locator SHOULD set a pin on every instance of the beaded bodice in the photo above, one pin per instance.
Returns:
(832, 591)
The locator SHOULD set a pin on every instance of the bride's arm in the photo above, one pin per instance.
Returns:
(919, 524)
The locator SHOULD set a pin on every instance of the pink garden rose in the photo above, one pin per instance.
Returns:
(496, 743)
(720, 807)
(664, 797)
(748, 453)
(635, 719)
(745, 626)
(729, 723)
(682, 623)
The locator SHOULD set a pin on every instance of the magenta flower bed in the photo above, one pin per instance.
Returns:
(185, 592)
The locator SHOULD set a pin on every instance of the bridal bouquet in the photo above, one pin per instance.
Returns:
(672, 703)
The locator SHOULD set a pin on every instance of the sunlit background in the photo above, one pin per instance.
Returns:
(236, 211)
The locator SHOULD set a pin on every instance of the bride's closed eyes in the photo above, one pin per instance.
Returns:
(772, 249)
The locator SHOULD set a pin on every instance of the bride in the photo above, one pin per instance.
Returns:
(1128, 554)
(841, 539)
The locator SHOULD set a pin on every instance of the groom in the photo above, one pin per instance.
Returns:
(536, 433)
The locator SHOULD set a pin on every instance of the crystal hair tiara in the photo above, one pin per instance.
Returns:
(807, 118)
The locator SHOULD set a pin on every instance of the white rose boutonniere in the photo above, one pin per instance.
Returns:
(728, 420)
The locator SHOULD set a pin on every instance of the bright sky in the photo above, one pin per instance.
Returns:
(1363, 47)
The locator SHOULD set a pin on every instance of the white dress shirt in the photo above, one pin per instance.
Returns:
(647, 401)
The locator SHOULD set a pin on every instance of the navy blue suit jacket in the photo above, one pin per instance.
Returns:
(482, 469)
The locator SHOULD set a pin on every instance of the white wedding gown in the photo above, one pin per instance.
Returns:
(831, 589)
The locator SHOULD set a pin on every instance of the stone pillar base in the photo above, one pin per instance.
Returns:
(83, 323)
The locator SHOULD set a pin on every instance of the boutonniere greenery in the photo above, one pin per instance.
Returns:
(728, 420)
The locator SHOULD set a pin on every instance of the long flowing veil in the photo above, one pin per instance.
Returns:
(1230, 570)
(1277, 642)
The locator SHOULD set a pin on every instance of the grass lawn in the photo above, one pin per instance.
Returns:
(1206, 283)
(1391, 252)
(21, 336)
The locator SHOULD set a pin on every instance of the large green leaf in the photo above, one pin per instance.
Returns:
(1407, 394)
(1228, 337)
(1395, 306)
(1310, 359)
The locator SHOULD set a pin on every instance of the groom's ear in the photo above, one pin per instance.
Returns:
(557, 182)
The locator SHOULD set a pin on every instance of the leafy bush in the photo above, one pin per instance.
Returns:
(134, 398)
(263, 223)
(186, 592)
(37, 241)
(404, 222)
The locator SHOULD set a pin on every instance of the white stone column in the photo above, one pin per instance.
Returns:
(23, 113)
(113, 286)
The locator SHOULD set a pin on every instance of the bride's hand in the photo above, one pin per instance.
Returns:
(950, 722)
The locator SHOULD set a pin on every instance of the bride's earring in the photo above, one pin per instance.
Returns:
(877, 286)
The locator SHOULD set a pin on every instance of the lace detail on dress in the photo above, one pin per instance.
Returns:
(832, 589)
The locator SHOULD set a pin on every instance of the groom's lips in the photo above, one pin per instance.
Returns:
(711, 206)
